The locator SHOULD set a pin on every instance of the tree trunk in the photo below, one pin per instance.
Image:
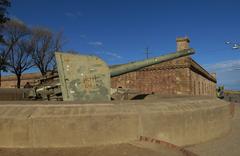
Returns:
(43, 73)
(18, 81)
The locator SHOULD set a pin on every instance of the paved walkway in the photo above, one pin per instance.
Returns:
(226, 146)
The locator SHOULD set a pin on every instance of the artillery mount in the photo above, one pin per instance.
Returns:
(87, 78)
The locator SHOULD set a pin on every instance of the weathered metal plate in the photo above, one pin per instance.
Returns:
(83, 78)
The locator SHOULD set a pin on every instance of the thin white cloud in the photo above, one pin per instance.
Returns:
(110, 55)
(104, 51)
(113, 55)
(227, 73)
(79, 14)
(69, 14)
(97, 43)
(73, 14)
(227, 65)
(82, 36)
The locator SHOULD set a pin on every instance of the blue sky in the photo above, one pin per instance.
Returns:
(118, 31)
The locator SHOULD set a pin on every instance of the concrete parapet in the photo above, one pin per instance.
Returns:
(10, 94)
(181, 122)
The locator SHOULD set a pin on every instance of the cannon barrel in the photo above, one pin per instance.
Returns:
(133, 66)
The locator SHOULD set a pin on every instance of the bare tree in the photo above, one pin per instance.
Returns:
(3, 65)
(20, 60)
(4, 4)
(17, 48)
(46, 43)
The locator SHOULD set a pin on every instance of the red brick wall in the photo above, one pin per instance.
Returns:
(10, 81)
(162, 78)
(13, 83)
(169, 78)
(202, 86)
(164, 81)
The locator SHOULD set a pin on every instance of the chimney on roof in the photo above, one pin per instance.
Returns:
(182, 43)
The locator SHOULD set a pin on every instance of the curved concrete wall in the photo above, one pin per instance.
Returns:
(178, 121)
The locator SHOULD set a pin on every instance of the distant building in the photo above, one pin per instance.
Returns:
(182, 76)
(10, 81)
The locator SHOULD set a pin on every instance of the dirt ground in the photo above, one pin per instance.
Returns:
(109, 150)
(226, 146)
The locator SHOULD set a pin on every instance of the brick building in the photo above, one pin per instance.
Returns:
(182, 76)
(10, 81)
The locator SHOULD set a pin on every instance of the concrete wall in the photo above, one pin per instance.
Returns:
(178, 121)
(10, 94)
(231, 96)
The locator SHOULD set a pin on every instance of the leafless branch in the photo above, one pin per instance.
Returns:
(46, 43)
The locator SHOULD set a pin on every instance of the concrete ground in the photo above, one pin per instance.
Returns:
(226, 146)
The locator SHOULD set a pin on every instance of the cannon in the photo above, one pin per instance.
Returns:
(87, 78)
